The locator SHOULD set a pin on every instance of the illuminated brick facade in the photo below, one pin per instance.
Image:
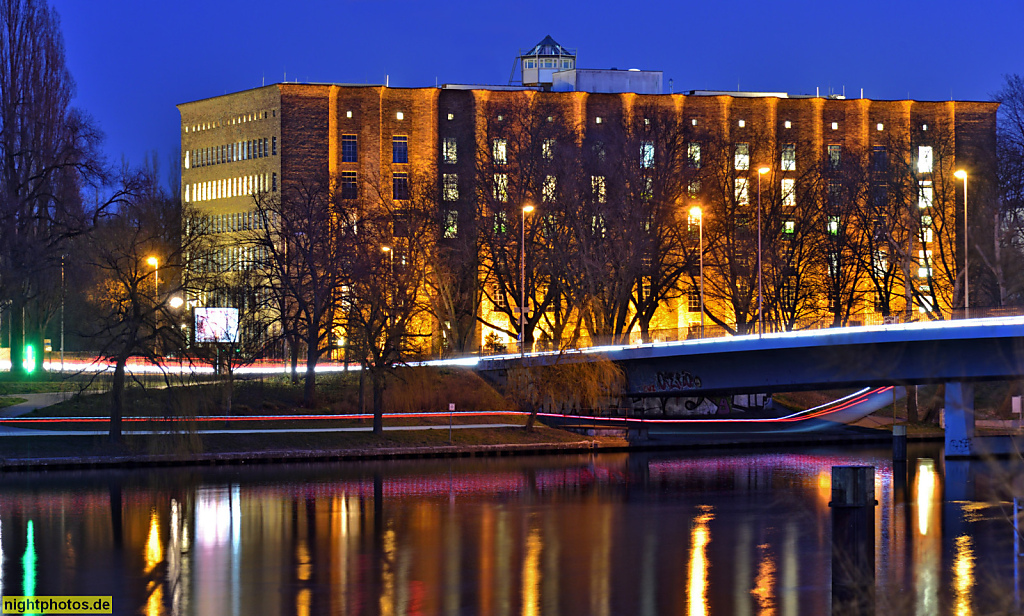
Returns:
(351, 133)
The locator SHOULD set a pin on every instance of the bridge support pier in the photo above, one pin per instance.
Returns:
(959, 419)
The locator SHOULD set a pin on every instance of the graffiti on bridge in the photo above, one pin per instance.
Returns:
(673, 380)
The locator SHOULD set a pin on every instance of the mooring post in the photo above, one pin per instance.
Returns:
(899, 443)
(853, 540)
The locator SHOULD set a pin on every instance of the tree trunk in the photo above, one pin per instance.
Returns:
(17, 326)
(293, 351)
(378, 403)
(227, 391)
(531, 419)
(117, 400)
(309, 387)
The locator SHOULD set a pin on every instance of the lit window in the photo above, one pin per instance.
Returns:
(501, 187)
(693, 121)
(693, 221)
(400, 186)
(742, 162)
(597, 120)
(924, 261)
(742, 123)
(742, 191)
(789, 227)
(789, 157)
(451, 224)
(547, 149)
(924, 127)
(789, 192)
(451, 116)
(833, 225)
(835, 153)
(880, 264)
(548, 190)
(880, 126)
(449, 151)
(451, 187)
(835, 126)
(348, 114)
(646, 154)
(499, 150)
(924, 159)
(349, 187)
(926, 194)
(500, 226)
(788, 124)
(926, 235)
(551, 119)
(598, 186)
(500, 118)
(693, 154)
(186, 160)
(693, 189)
(400, 115)
(349, 149)
(399, 149)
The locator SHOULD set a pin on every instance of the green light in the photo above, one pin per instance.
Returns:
(28, 562)
(29, 362)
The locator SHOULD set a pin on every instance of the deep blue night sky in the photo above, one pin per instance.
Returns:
(134, 61)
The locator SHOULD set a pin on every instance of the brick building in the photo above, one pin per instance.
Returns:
(835, 169)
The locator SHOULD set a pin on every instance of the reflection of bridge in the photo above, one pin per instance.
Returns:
(956, 353)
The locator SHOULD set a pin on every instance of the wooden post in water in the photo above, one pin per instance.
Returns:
(853, 540)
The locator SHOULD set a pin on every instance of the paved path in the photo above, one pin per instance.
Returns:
(33, 402)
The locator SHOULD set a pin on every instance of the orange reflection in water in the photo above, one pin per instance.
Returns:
(697, 585)
(963, 576)
(764, 582)
(531, 574)
(154, 556)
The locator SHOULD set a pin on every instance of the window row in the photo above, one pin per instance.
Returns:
(225, 188)
(235, 221)
(239, 119)
(232, 258)
(231, 152)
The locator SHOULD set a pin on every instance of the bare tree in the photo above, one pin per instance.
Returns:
(384, 308)
(299, 241)
(131, 316)
(48, 154)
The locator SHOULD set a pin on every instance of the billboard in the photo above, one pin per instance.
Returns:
(216, 325)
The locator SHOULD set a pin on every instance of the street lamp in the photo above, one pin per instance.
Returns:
(391, 274)
(696, 213)
(760, 317)
(156, 277)
(962, 175)
(527, 209)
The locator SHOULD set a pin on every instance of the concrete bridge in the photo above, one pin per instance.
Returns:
(956, 353)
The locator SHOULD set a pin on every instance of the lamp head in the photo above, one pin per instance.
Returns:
(152, 261)
(763, 170)
(527, 209)
(960, 174)
(695, 212)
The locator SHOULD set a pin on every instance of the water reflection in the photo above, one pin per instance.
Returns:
(697, 585)
(724, 533)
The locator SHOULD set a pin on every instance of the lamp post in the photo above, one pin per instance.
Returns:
(962, 175)
(527, 209)
(695, 212)
(156, 277)
(62, 294)
(760, 301)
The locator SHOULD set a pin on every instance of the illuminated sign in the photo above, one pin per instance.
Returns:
(216, 325)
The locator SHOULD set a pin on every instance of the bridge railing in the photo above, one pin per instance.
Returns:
(713, 330)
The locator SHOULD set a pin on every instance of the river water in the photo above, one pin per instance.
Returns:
(664, 533)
